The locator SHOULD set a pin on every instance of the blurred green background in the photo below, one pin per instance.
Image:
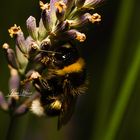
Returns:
(110, 109)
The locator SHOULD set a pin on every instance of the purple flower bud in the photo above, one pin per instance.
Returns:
(29, 41)
(91, 3)
(74, 34)
(32, 28)
(60, 11)
(79, 3)
(42, 33)
(60, 16)
(60, 6)
(22, 60)
(15, 31)
(46, 20)
(21, 43)
(84, 19)
(10, 55)
(14, 80)
(3, 103)
(53, 12)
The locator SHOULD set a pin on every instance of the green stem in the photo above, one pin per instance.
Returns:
(10, 128)
(124, 97)
(72, 13)
(17, 127)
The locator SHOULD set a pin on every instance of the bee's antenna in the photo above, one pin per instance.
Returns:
(35, 47)
(49, 51)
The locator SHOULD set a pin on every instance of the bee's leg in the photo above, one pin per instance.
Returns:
(30, 76)
(38, 81)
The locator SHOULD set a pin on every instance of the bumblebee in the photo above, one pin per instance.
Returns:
(60, 83)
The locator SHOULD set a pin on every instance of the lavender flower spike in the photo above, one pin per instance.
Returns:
(46, 55)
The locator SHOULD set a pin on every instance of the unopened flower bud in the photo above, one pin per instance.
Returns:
(22, 60)
(74, 34)
(46, 15)
(32, 28)
(21, 43)
(14, 80)
(15, 31)
(83, 20)
(60, 5)
(52, 14)
(60, 16)
(60, 10)
(42, 32)
(46, 20)
(10, 55)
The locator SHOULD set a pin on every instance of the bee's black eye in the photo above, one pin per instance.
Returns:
(66, 56)
(63, 55)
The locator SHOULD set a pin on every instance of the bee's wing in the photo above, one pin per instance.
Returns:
(68, 105)
(67, 110)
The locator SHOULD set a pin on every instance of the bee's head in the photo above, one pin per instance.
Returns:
(67, 54)
(62, 55)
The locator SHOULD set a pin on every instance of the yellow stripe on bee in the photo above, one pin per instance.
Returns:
(56, 105)
(75, 67)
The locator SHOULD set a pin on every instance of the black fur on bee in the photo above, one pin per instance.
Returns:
(64, 80)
